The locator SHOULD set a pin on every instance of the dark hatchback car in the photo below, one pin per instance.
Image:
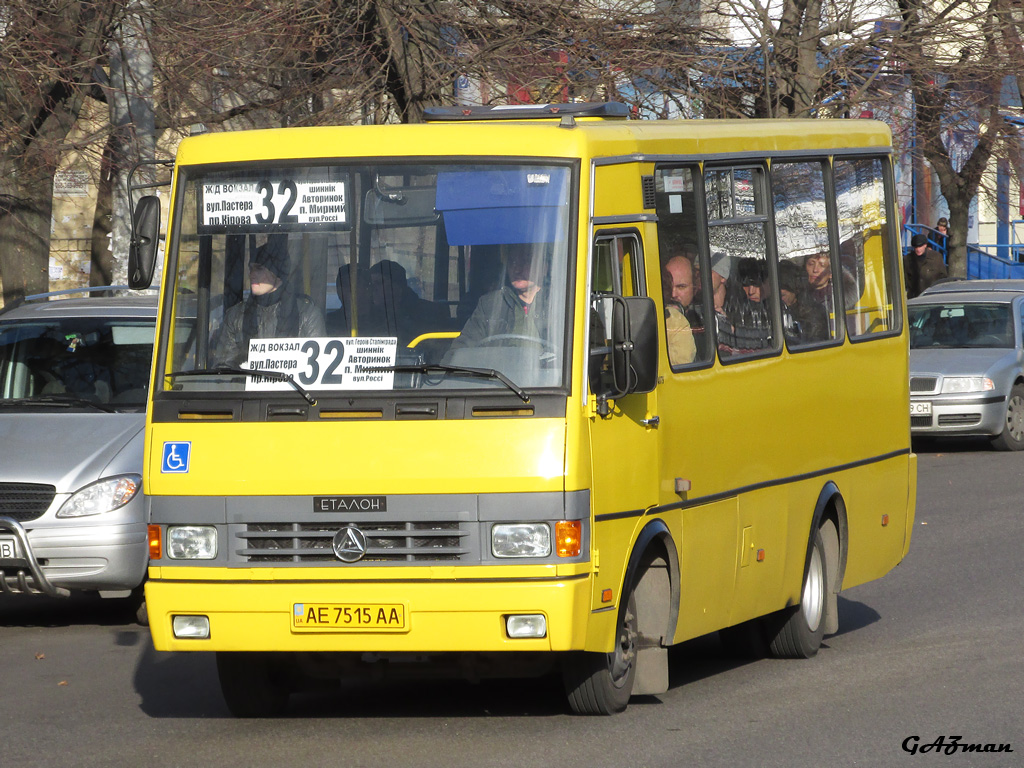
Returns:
(74, 374)
(966, 361)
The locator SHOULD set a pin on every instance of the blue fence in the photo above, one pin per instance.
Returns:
(983, 265)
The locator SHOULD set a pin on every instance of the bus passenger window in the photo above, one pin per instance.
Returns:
(686, 301)
(869, 288)
(805, 273)
(737, 209)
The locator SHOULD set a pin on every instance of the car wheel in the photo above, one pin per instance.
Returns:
(601, 683)
(1012, 436)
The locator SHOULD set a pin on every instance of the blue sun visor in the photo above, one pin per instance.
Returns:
(492, 206)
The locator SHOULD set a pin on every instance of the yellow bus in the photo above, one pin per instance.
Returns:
(520, 391)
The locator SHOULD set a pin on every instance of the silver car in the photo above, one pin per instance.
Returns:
(73, 380)
(966, 361)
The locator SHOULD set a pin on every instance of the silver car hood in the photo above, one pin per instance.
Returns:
(959, 362)
(69, 450)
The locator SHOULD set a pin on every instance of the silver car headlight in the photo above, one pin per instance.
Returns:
(955, 384)
(103, 496)
(192, 542)
(521, 540)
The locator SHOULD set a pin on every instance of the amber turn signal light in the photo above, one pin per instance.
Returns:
(156, 549)
(568, 538)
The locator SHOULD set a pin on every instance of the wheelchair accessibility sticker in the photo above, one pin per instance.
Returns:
(176, 456)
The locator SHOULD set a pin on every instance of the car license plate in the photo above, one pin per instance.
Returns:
(8, 548)
(921, 409)
(348, 617)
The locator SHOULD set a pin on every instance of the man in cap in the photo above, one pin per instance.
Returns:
(922, 266)
(518, 310)
(270, 311)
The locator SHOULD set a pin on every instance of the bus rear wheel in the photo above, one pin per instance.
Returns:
(796, 632)
(252, 684)
(601, 683)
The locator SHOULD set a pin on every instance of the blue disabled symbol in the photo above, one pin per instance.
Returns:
(176, 457)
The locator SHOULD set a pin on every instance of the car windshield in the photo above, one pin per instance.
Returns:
(76, 361)
(372, 277)
(960, 325)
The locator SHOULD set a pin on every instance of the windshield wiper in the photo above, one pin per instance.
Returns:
(63, 399)
(231, 371)
(484, 373)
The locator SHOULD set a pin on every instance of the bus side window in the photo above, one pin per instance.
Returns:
(869, 289)
(618, 265)
(617, 269)
(801, 234)
(683, 264)
(737, 210)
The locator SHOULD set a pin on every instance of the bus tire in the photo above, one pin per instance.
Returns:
(250, 684)
(796, 632)
(601, 683)
(1012, 436)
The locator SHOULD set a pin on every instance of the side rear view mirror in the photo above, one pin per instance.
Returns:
(624, 345)
(634, 344)
(144, 242)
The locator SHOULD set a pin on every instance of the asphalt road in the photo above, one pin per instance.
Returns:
(934, 649)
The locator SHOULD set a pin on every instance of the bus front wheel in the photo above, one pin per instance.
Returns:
(601, 683)
(796, 632)
(251, 684)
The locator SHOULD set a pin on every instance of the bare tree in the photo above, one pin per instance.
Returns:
(956, 56)
(48, 64)
(794, 58)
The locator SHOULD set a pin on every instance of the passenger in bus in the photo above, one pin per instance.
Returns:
(519, 308)
(818, 267)
(394, 309)
(729, 299)
(751, 314)
(803, 320)
(349, 318)
(679, 287)
(272, 310)
(679, 334)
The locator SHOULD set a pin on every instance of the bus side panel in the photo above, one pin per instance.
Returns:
(765, 561)
(876, 510)
(707, 561)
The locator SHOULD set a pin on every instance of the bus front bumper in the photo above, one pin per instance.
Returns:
(426, 616)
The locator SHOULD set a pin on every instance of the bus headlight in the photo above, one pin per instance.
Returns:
(952, 384)
(192, 542)
(103, 496)
(521, 540)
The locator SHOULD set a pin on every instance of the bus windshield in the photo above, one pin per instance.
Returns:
(372, 277)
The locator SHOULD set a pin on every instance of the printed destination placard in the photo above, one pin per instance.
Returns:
(226, 205)
(324, 363)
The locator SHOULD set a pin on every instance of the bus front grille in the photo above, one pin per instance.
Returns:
(386, 542)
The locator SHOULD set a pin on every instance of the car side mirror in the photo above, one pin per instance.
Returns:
(144, 242)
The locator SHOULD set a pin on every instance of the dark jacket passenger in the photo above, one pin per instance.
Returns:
(501, 312)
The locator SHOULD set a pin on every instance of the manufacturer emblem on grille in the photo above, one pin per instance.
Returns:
(349, 544)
